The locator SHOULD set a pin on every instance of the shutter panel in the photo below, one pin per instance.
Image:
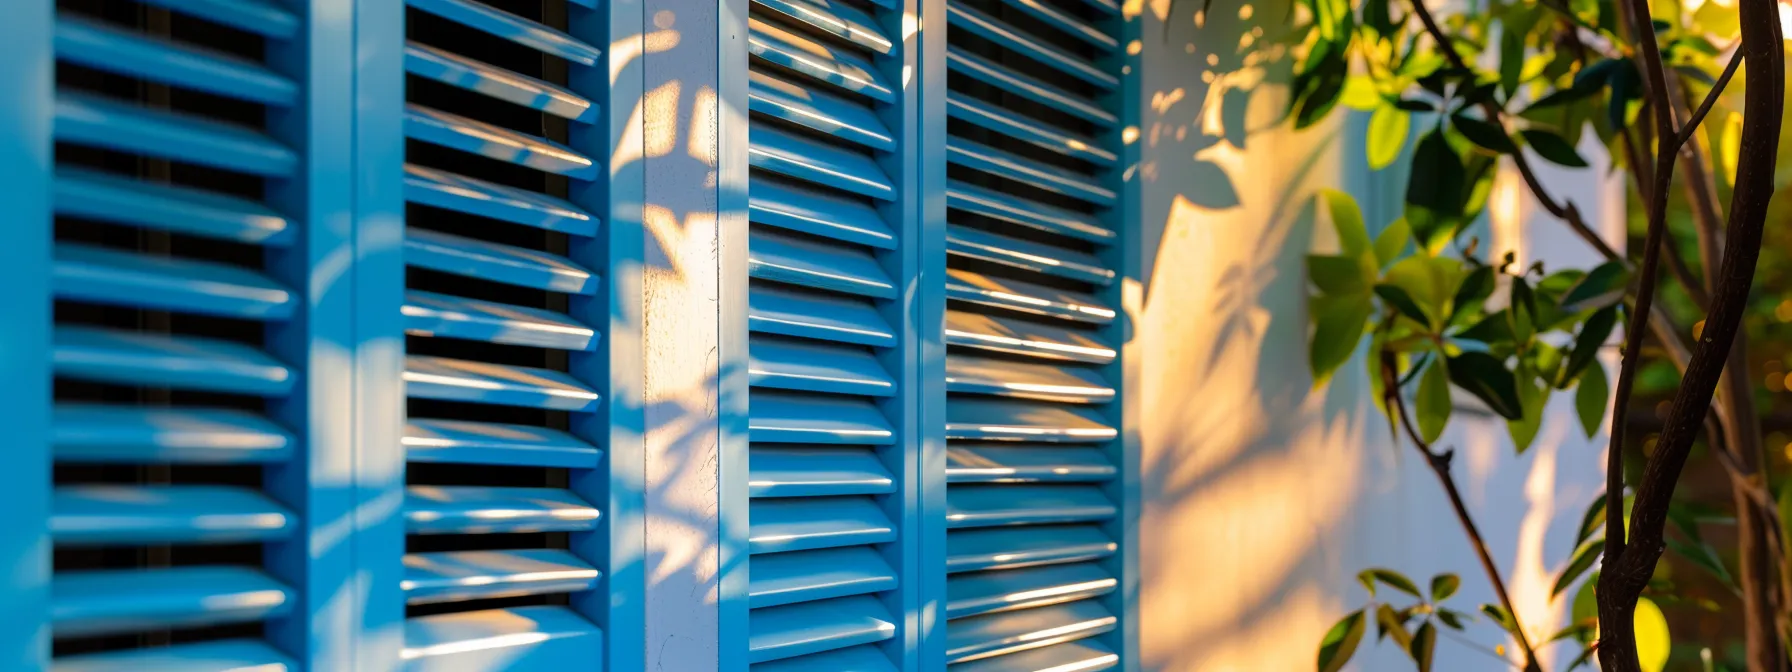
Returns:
(829, 458)
(193, 408)
(1033, 503)
(504, 313)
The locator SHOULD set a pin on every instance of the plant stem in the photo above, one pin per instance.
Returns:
(1440, 465)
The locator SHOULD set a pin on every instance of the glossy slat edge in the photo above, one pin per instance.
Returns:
(94, 433)
(470, 509)
(790, 364)
(1043, 382)
(181, 363)
(229, 655)
(965, 197)
(495, 142)
(1008, 590)
(101, 275)
(779, 417)
(255, 16)
(442, 315)
(97, 121)
(1021, 170)
(816, 110)
(521, 638)
(1024, 297)
(1020, 337)
(484, 383)
(778, 151)
(808, 523)
(1000, 505)
(821, 61)
(442, 189)
(813, 627)
(862, 658)
(456, 70)
(1017, 41)
(86, 603)
(809, 471)
(808, 576)
(775, 310)
(1003, 420)
(93, 515)
(1026, 464)
(133, 54)
(94, 195)
(818, 212)
(835, 18)
(976, 549)
(506, 25)
(468, 442)
(1004, 633)
(1007, 79)
(1026, 255)
(495, 262)
(1084, 655)
(477, 575)
(1028, 130)
(817, 265)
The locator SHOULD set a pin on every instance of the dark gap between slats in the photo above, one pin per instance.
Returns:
(1026, 150)
(768, 121)
(1007, 186)
(1026, 233)
(806, 81)
(1002, 11)
(806, 30)
(1010, 272)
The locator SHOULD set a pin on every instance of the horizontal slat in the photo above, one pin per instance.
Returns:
(775, 310)
(965, 197)
(494, 262)
(101, 275)
(436, 509)
(960, 17)
(174, 362)
(519, 638)
(1086, 655)
(813, 367)
(818, 212)
(1044, 382)
(990, 592)
(256, 16)
(809, 263)
(816, 110)
(809, 471)
(1025, 297)
(1020, 337)
(1104, 6)
(92, 433)
(511, 27)
(134, 54)
(1006, 79)
(1027, 255)
(1026, 129)
(495, 142)
(812, 627)
(807, 576)
(1025, 463)
(229, 655)
(432, 314)
(1016, 168)
(995, 505)
(1068, 23)
(778, 417)
(442, 189)
(863, 658)
(1011, 632)
(108, 198)
(94, 515)
(466, 442)
(804, 523)
(817, 59)
(90, 120)
(85, 603)
(834, 18)
(1013, 547)
(456, 70)
(1003, 420)
(485, 383)
(776, 150)
(479, 575)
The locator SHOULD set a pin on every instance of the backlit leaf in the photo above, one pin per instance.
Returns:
(1392, 242)
(1388, 129)
(1532, 396)
(1403, 303)
(1390, 624)
(1653, 642)
(1591, 398)
(1475, 288)
(1338, 275)
(1347, 220)
(1433, 407)
(1340, 642)
(1395, 580)
(1338, 327)
(1443, 586)
(1593, 520)
(1583, 559)
(1486, 377)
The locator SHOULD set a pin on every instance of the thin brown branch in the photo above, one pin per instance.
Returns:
(1440, 465)
(1698, 116)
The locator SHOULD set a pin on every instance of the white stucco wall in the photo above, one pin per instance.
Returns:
(1264, 496)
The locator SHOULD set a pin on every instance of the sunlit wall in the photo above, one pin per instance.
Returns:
(1264, 496)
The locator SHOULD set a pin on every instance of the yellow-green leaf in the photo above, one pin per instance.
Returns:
(1347, 220)
(1653, 641)
(1392, 242)
(1719, 21)
(1340, 642)
(1583, 560)
(1433, 404)
(1339, 275)
(1360, 94)
(1731, 146)
(1338, 327)
(1443, 586)
(1388, 129)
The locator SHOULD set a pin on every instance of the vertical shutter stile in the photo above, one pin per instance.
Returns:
(831, 264)
(1034, 221)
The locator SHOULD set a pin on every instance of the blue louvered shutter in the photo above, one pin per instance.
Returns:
(826, 346)
(1032, 499)
(503, 313)
(193, 326)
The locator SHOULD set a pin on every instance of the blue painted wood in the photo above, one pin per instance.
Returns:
(95, 515)
(990, 592)
(227, 655)
(442, 189)
(113, 601)
(834, 18)
(817, 265)
(1019, 169)
(1080, 655)
(1000, 377)
(810, 471)
(809, 576)
(1002, 420)
(789, 206)
(1013, 547)
(790, 364)
(495, 262)
(1020, 337)
(511, 27)
(1012, 209)
(436, 509)
(134, 54)
(93, 433)
(483, 383)
(864, 658)
(827, 63)
(1011, 632)
(454, 576)
(994, 505)
(812, 627)
(804, 523)
(85, 119)
(94, 195)
(819, 163)
(1026, 129)
(1026, 463)
(494, 142)
(256, 16)
(456, 70)
(776, 310)
(181, 363)
(1007, 79)
(521, 638)
(92, 274)
(1018, 41)
(442, 315)
(1025, 297)
(1026, 255)
(780, 417)
(1066, 22)
(469, 442)
(817, 110)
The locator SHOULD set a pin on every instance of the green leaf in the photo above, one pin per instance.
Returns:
(1433, 407)
(1375, 17)
(1590, 400)
(1591, 522)
(1327, 86)
(1388, 623)
(1785, 505)
(1402, 302)
(1340, 642)
(1392, 242)
(1553, 148)
(1365, 578)
(1494, 329)
(1347, 220)
(1485, 135)
(1475, 288)
(1592, 337)
(1523, 311)
(1424, 646)
(1703, 555)
(1338, 327)
(1499, 615)
(1451, 619)
(1395, 580)
(1443, 586)
(1388, 129)
(1486, 377)
(1626, 85)
(1653, 642)
(1532, 395)
(1339, 275)
(1435, 191)
(1582, 560)
(1428, 280)
(1602, 287)
(1511, 60)
(1360, 93)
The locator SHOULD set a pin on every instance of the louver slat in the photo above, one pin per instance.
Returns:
(495, 142)
(987, 27)
(813, 627)
(818, 111)
(432, 314)
(810, 471)
(484, 383)
(91, 515)
(804, 523)
(1024, 297)
(522, 638)
(85, 603)
(1014, 210)
(1013, 547)
(808, 576)
(93, 195)
(229, 655)
(1018, 337)
(773, 310)
(796, 365)
(95, 121)
(255, 16)
(431, 509)
(999, 249)
(864, 658)
(1009, 166)
(821, 61)
(131, 54)
(776, 417)
(995, 505)
(817, 265)
(834, 18)
(1025, 464)
(990, 592)
(478, 575)
(180, 363)
(1078, 656)
(1002, 77)
(91, 433)
(442, 189)
(788, 154)
(978, 375)
(1009, 632)
(1066, 23)
(494, 262)
(466, 442)
(1028, 130)
(99, 275)
(456, 70)
(811, 211)
(999, 420)
(502, 24)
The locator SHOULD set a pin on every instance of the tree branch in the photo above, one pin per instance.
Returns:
(1717, 89)
(1440, 465)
